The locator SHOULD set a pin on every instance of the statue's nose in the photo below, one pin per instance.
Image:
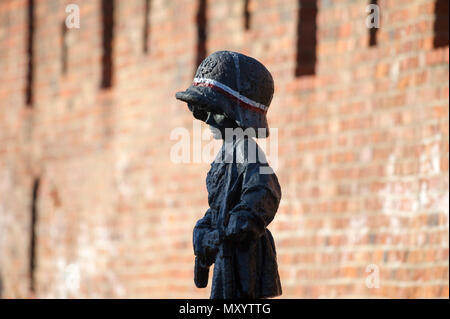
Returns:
(210, 119)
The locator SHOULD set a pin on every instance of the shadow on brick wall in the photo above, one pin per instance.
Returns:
(306, 38)
(441, 24)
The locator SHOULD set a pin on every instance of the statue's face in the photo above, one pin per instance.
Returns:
(198, 112)
(216, 120)
(218, 123)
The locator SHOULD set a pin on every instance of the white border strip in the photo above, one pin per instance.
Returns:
(232, 92)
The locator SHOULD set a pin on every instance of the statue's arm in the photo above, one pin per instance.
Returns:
(205, 239)
(258, 204)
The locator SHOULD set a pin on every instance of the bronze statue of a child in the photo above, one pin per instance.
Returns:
(232, 92)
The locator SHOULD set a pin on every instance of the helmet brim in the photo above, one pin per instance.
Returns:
(209, 100)
(194, 95)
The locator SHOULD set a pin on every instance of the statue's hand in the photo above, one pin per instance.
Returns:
(206, 244)
(201, 271)
(211, 241)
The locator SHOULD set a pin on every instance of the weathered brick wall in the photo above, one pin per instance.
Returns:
(363, 149)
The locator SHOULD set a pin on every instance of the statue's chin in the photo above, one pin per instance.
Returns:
(217, 135)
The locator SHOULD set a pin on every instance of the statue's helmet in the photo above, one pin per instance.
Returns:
(235, 85)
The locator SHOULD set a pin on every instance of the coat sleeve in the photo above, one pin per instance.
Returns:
(259, 201)
(205, 239)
